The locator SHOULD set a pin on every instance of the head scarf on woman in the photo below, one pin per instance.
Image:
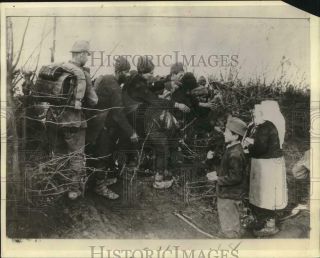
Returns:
(257, 114)
(271, 112)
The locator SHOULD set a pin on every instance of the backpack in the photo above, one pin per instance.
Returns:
(54, 85)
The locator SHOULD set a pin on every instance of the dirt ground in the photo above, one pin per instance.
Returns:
(145, 213)
(151, 217)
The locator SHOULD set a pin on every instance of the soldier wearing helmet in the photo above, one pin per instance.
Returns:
(67, 125)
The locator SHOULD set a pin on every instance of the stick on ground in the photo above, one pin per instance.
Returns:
(193, 225)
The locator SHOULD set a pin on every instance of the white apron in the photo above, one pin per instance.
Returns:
(268, 185)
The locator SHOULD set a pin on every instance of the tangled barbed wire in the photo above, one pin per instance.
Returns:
(49, 179)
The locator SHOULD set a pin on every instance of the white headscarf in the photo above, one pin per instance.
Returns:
(271, 112)
(258, 117)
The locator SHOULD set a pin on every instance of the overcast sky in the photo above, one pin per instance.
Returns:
(258, 45)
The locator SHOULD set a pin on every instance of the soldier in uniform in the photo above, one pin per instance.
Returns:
(67, 125)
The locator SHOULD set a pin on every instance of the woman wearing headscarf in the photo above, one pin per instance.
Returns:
(268, 187)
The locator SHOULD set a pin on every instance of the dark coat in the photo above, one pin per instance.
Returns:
(138, 89)
(183, 95)
(157, 86)
(266, 142)
(142, 104)
(232, 175)
(189, 82)
(110, 96)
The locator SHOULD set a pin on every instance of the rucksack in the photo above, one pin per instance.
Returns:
(54, 85)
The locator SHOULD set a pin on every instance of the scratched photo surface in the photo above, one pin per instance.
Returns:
(158, 126)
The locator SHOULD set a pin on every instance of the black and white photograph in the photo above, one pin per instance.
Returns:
(155, 121)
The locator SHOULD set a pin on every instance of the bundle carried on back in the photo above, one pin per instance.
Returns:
(55, 85)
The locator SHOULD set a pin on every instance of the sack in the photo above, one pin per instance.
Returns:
(54, 85)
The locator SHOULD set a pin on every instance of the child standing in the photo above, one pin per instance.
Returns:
(231, 179)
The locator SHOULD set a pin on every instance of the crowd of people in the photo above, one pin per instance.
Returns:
(117, 112)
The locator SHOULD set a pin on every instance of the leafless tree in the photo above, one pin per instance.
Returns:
(13, 169)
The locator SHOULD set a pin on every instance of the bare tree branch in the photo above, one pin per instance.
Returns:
(22, 43)
(16, 80)
(9, 45)
(14, 172)
(38, 58)
(47, 34)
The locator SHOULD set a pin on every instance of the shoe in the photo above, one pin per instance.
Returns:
(72, 195)
(162, 184)
(269, 229)
(104, 191)
(248, 222)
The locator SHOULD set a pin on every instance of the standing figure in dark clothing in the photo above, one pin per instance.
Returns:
(185, 83)
(110, 126)
(231, 179)
(67, 125)
(268, 187)
(146, 114)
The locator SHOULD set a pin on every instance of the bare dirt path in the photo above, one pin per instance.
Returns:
(146, 214)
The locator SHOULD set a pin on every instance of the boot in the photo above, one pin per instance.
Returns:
(163, 180)
(103, 190)
(269, 229)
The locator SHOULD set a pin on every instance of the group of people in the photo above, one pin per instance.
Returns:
(117, 112)
(260, 142)
(123, 108)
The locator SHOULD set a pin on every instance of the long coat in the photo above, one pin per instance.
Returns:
(110, 99)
